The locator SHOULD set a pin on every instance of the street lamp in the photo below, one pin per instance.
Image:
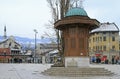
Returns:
(34, 55)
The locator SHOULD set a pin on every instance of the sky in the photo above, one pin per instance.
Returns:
(21, 17)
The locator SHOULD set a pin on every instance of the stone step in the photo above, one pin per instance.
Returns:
(78, 75)
(61, 74)
(75, 71)
(73, 68)
(80, 72)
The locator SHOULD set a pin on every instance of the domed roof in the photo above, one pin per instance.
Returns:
(76, 11)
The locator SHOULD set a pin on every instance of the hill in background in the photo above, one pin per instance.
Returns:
(25, 40)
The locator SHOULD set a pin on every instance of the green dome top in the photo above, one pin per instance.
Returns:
(76, 11)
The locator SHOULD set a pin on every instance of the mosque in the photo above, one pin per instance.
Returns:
(8, 47)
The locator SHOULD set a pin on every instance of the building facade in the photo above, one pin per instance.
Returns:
(45, 48)
(104, 41)
(12, 44)
(44, 51)
(8, 48)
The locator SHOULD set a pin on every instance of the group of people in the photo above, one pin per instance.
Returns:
(115, 59)
(98, 60)
(104, 60)
(15, 60)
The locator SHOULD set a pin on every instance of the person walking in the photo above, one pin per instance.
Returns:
(113, 59)
(116, 60)
(119, 60)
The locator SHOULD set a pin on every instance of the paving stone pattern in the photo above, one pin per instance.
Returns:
(34, 71)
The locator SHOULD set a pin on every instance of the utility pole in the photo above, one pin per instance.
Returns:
(34, 55)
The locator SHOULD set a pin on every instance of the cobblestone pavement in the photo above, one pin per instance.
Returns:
(33, 71)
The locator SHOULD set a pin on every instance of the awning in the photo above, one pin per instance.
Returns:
(97, 55)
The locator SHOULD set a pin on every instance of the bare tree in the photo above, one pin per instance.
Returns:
(60, 7)
(58, 10)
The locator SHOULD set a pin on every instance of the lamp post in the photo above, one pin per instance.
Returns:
(34, 55)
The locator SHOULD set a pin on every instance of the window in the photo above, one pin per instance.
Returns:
(104, 38)
(9, 44)
(100, 47)
(113, 47)
(104, 48)
(96, 39)
(97, 48)
(89, 40)
(93, 39)
(113, 38)
(16, 47)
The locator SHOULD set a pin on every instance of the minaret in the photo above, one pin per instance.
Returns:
(5, 35)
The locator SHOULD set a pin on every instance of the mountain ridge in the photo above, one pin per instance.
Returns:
(26, 40)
